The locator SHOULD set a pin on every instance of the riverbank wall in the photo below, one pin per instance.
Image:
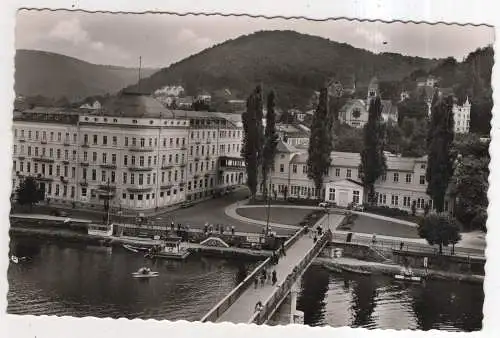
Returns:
(364, 267)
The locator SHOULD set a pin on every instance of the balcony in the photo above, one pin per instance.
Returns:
(139, 189)
(84, 183)
(64, 180)
(182, 164)
(209, 141)
(139, 168)
(167, 166)
(196, 176)
(21, 157)
(107, 187)
(183, 148)
(43, 159)
(197, 142)
(166, 186)
(65, 162)
(207, 175)
(84, 163)
(197, 158)
(85, 145)
(140, 149)
(22, 140)
(108, 165)
(43, 141)
(40, 177)
(207, 158)
(181, 184)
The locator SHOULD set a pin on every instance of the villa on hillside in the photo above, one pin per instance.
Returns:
(355, 111)
(403, 184)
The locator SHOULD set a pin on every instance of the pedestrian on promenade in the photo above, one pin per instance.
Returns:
(283, 248)
(227, 229)
(232, 230)
(256, 282)
(263, 277)
(172, 226)
(315, 239)
(205, 228)
(258, 306)
(274, 278)
(401, 245)
(217, 227)
(374, 239)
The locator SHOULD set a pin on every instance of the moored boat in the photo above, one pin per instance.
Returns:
(407, 278)
(136, 249)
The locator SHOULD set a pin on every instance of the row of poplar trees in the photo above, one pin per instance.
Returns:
(259, 145)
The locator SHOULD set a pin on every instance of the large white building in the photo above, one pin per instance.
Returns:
(134, 149)
(403, 184)
(461, 117)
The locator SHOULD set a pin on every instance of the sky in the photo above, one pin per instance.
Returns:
(161, 39)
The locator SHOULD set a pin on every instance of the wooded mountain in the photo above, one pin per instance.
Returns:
(55, 76)
(293, 64)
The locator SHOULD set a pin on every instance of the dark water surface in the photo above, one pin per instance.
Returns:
(377, 301)
(81, 280)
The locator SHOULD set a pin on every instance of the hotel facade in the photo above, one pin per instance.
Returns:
(403, 184)
(134, 152)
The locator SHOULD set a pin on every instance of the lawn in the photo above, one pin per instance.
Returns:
(288, 216)
(369, 225)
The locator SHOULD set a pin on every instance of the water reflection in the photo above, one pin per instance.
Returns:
(380, 302)
(77, 280)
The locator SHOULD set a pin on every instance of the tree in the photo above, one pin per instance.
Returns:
(439, 144)
(28, 192)
(470, 187)
(439, 230)
(373, 164)
(271, 141)
(320, 143)
(252, 139)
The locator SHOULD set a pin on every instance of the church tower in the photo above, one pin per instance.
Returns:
(373, 90)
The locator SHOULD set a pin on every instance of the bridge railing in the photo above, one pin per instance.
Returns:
(232, 296)
(269, 307)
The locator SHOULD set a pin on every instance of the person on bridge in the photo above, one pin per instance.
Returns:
(232, 230)
(205, 228)
(264, 277)
(256, 281)
(283, 248)
(274, 279)
(258, 306)
(401, 245)
(172, 226)
(374, 239)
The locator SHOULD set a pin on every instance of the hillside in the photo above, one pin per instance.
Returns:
(54, 76)
(292, 63)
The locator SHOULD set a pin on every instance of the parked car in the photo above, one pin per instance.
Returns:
(359, 207)
(325, 204)
(59, 213)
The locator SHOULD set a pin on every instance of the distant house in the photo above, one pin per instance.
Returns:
(297, 114)
(355, 111)
(405, 95)
(204, 97)
(292, 135)
(461, 117)
(92, 106)
(185, 102)
(429, 81)
(173, 90)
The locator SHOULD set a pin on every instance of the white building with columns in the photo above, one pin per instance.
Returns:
(403, 184)
(134, 149)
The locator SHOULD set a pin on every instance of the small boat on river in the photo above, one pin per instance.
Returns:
(407, 275)
(136, 249)
(170, 249)
(145, 273)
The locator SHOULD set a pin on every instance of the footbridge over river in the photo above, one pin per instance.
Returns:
(239, 305)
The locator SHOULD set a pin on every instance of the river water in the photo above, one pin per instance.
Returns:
(81, 280)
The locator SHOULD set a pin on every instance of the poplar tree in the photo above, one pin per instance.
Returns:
(320, 143)
(271, 141)
(439, 150)
(252, 139)
(373, 162)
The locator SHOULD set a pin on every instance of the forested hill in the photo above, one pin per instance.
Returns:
(57, 76)
(292, 63)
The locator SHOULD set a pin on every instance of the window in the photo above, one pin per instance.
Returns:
(394, 200)
(112, 177)
(95, 139)
(84, 173)
(103, 176)
(141, 179)
(382, 199)
(337, 172)
(332, 194)
(115, 140)
(124, 178)
(126, 141)
(384, 177)
(355, 196)
(348, 173)
(94, 156)
(132, 178)
(406, 201)
(94, 175)
(105, 140)
(408, 178)
(422, 166)
(125, 160)
(113, 158)
(84, 192)
(282, 168)
(104, 158)
(294, 168)
(396, 177)
(422, 179)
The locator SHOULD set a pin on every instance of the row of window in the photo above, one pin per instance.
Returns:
(222, 134)
(348, 174)
(42, 135)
